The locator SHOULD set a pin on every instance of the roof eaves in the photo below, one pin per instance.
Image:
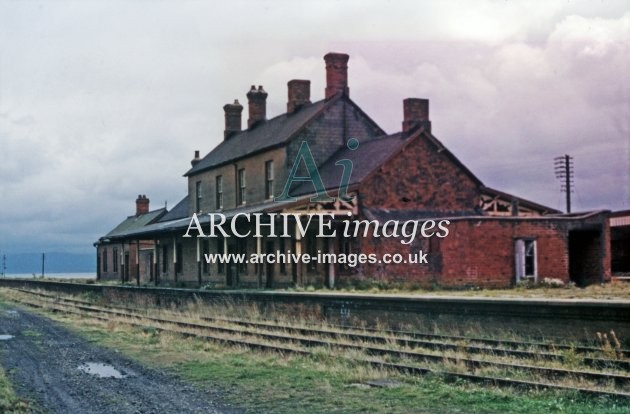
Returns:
(525, 202)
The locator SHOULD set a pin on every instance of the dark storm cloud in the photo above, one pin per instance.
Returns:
(101, 101)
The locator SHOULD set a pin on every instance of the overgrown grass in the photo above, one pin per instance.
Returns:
(9, 402)
(569, 291)
(322, 383)
(263, 382)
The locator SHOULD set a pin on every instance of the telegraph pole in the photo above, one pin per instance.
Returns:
(563, 167)
(43, 262)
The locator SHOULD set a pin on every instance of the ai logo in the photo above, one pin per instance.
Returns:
(304, 155)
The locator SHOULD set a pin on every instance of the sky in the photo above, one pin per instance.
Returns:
(103, 100)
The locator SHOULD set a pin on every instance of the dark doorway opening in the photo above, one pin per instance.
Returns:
(232, 268)
(269, 266)
(620, 250)
(585, 261)
(150, 265)
(126, 275)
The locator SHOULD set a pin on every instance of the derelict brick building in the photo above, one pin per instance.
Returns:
(495, 239)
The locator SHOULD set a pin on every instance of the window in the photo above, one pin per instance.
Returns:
(198, 196)
(115, 259)
(525, 259)
(219, 191)
(178, 258)
(105, 260)
(242, 186)
(269, 179)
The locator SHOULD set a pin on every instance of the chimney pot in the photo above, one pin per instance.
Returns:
(232, 118)
(299, 94)
(336, 74)
(257, 102)
(415, 114)
(142, 205)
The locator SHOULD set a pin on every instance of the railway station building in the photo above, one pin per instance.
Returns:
(329, 158)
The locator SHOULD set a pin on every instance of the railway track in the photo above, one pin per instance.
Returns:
(398, 347)
(520, 349)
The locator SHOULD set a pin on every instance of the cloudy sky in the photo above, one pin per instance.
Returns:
(103, 100)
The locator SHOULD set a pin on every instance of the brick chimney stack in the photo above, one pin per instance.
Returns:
(415, 114)
(299, 94)
(336, 74)
(142, 205)
(196, 159)
(232, 118)
(257, 105)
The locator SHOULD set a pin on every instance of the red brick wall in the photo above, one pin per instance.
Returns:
(475, 253)
(420, 177)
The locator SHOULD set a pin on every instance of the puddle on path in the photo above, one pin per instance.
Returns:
(100, 370)
(6, 337)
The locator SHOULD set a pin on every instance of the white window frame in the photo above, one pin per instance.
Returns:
(520, 252)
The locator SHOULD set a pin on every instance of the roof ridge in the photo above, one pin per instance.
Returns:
(317, 107)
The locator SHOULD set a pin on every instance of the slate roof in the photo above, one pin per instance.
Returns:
(179, 211)
(182, 223)
(267, 134)
(372, 154)
(132, 223)
(365, 159)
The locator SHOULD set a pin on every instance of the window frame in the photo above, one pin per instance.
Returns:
(269, 180)
(526, 250)
(219, 191)
(241, 179)
(198, 196)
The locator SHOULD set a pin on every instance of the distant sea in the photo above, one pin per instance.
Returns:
(53, 275)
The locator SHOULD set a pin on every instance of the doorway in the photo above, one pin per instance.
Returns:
(268, 265)
(585, 257)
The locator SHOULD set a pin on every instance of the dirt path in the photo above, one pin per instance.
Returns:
(42, 360)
